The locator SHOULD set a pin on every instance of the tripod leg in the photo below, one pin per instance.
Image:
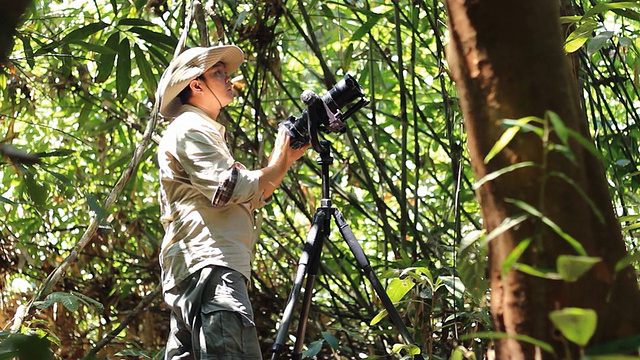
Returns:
(365, 266)
(311, 248)
(312, 272)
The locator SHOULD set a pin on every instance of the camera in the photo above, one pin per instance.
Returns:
(324, 113)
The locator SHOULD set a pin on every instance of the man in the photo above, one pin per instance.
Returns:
(207, 203)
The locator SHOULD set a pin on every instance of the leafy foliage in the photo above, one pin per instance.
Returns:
(78, 92)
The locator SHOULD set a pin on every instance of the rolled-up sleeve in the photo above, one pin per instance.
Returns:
(213, 171)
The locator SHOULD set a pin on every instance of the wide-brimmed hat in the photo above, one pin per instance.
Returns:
(187, 66)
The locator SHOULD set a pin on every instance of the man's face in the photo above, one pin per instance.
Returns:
(219, 82)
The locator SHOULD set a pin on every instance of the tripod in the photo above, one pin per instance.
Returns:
(310, 261)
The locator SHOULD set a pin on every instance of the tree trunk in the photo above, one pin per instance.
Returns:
(508, 63)
(11, 13)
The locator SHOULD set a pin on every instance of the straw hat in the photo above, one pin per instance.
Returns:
(189, 65)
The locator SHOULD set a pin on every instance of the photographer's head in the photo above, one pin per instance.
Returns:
(199, 76)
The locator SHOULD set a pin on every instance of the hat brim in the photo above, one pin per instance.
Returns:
(189, 65)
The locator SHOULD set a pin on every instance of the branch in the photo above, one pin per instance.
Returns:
(112, 335)
(89, 234)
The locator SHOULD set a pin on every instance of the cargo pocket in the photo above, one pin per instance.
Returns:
(229, 335)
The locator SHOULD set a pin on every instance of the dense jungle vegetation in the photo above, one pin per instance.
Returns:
(80, 234)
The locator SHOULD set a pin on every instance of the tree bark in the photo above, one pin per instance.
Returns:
(508, 63)
(10, 15)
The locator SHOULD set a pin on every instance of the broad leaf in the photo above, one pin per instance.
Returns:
(575, 324)
(398, 288)
(571, 268)
(598, 42)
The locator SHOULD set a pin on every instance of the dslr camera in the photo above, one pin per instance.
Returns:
(324, 113)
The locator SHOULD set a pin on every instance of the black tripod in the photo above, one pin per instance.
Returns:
(310, 261)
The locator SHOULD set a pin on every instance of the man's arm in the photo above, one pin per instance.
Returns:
(282, 157)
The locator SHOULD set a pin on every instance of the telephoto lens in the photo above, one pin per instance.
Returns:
(329, 117)
(344, 92)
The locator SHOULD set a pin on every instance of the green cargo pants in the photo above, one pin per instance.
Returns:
(212, 318)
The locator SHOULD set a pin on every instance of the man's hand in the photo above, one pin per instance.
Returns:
(282, 157)
(282, 151)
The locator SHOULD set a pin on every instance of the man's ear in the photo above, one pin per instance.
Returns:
(195, 86)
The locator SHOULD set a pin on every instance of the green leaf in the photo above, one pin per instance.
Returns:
(61, 178)
(347, 57)
(328, 13)
(576, 324)
(558, 127)
(630, 14)
(91, 302)
(598, 42)
(123, 70)
(600, 8)
(376, 319)
(107, 60)
(331, 340)
(239, 20)
(534, 271)
(496, 174)
(135, 22)
(579, 36)
(409, 349)
(55, 153)
(469, 239)
(398, 288)
(498, 335)
(69, 300)
(421, 275)
(148, 78)
(515, 254)
(366, 27)
(28, 50)
(154, 38)
(25, 346)
(114, 6)
(454, 285)
(84, 32)
(313, 350)
(571, 267)
(587, 144)
(508, 135)
(93, 204)
(627, 260)
(159, 56)
(38, 192)
(457, 354)
(568, 238)
(97, 48)
(507, 224)
(570, 19)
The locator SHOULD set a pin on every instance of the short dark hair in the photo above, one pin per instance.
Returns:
(185, 95)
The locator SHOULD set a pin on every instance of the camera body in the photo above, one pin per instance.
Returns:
(324, 113)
